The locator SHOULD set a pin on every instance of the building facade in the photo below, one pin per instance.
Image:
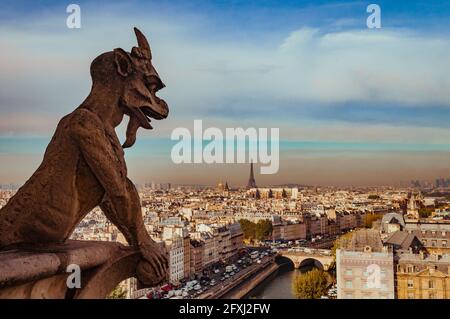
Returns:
(421, 276)
(365, 268)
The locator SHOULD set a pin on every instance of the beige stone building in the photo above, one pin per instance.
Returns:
(197, 248)
(419, 276)
(288, 230)
(434, 235)
(236, 238)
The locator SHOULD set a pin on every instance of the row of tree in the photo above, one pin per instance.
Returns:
(261, 230)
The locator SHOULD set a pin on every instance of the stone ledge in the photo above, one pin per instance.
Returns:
(26, 273)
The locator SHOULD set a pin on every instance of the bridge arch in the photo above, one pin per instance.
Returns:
(311, 262)
(319, 260)
(286, 262)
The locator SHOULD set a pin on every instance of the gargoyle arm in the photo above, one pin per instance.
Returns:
(121, 201)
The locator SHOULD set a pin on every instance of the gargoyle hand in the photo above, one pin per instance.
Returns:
(152, 270)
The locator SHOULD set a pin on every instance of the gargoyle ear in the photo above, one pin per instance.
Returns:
(123, 62)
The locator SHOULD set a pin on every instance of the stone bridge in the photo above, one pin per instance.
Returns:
(320, 258)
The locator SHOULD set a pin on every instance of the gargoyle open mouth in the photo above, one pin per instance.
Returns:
(157, 109)
(158, 113)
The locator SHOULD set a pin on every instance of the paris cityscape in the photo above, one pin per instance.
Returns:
(233, 242)
(182, 154)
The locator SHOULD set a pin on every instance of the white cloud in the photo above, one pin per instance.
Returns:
(203, 72)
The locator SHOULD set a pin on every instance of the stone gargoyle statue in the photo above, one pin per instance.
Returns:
(84, 166)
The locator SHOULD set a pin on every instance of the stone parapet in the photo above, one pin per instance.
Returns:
(41, 272)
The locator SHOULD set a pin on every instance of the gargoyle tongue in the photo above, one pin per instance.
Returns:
(133, 126)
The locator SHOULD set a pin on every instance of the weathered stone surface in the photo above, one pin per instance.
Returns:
(19, 267)
(42, 274)
(84, 167)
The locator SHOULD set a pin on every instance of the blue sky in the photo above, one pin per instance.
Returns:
(311, 68)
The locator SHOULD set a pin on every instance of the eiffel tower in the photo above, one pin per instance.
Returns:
(251, 180)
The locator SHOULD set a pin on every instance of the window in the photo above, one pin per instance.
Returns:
(410, 268)
(348, 284)
(444, 243)
(349, 272)
(410, 283)
(430, 284)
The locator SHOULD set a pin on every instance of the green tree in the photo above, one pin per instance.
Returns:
(371, 218)
(341, 242)
(310, 285)
(118, 293)
(263, 229)
(425, 212)
(256, 231)
(248, 228)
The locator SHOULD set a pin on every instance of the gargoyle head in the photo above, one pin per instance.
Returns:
(136, 81)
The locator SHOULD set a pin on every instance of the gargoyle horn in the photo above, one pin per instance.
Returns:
(144, 47)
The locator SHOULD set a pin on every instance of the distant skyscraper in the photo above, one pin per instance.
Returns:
(251, 180)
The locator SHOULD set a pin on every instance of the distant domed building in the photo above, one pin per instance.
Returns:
(221, 187)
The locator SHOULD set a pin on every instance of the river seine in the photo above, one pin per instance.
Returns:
(279, 284)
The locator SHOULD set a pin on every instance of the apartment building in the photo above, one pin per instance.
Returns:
(434, 235)
(422, 276)
(364, 268)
